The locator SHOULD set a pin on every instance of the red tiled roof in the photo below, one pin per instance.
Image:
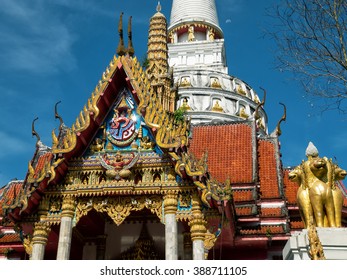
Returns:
(10, 193)
(296, 224)
(43, 159)
(271, 212)
(264, 230)
(10, 238)
(268, 170)
(243, 195)
(244, 211)
(229, 150)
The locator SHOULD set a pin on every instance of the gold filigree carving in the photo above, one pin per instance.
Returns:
(119, 208)
(170, 203)
(27, 244)
(68, 207)
(41, 232)
(316, 251)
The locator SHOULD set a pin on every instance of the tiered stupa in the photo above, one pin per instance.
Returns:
(197, 54)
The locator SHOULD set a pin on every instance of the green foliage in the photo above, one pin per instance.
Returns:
(179, 115)
(145, 62)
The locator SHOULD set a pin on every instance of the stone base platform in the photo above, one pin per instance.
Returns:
(334, 242)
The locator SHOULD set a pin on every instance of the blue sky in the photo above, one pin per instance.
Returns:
(56, 50)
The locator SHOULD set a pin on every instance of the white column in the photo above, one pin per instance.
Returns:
(171, 238)
(65, 232)
(39, 241)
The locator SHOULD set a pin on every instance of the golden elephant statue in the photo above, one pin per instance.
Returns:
(319, 199)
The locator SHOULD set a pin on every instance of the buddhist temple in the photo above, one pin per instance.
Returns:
(169, 160)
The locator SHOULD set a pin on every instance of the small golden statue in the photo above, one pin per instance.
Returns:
(191, 36)
(319, 198)
(217, 107)
(185, 105)
(185, 82)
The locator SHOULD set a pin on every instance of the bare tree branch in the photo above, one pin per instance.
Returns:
(312, 40)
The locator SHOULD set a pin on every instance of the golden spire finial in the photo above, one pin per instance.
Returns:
(131, 50)
(120, 49)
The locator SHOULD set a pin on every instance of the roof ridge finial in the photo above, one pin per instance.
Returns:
(33, 131)
(283, 118)
(130, 49)
(158, 7)
(57, 116)
(120, 49)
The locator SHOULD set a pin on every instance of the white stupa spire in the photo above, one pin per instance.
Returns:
(189, 11)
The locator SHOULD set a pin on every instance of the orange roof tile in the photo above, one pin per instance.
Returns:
(229, 150)
(268, 170)
(10, 194)
(264, 229)
(10, 238)
(297, 224)
(243, 195)
(244, 211)
(271, 212)
(43, 159)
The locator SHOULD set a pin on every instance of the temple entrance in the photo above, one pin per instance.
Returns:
(140, 236)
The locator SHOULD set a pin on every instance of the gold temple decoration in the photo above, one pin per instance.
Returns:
(191, 36)
(68, 207)
(197, 220)
(243, 113)
(209, 242)
(185, 82)
(215, 83)
(185, 105)
(143, 249)
(28, 245)
(121, 48)
(41, 232)
(316, 251)
(170, 203)
(130, 49)
(211, 34)
(240, 90)
(278, 130)
(33, 131)
(120, 207)
(318, 197)
(158, 67)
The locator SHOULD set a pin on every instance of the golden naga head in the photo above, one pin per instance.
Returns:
(318, 167)
(296, 175)
(340, 174)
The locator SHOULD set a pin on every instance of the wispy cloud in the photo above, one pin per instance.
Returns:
(11, 145)
(34, 39)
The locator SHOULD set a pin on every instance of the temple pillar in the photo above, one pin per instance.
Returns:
(39, 240)
(171, 237)
(197, 225)
(65, 233)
